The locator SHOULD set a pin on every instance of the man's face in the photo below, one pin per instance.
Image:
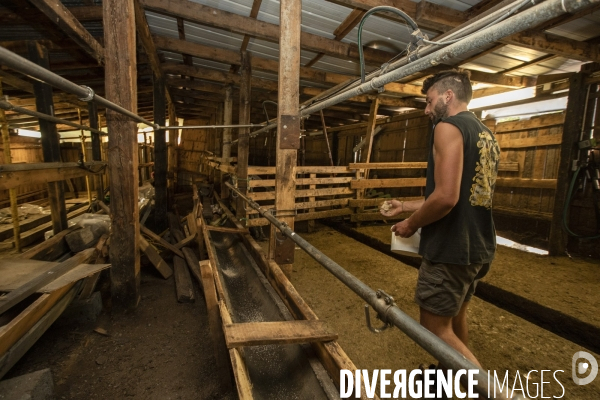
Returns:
(436, 108)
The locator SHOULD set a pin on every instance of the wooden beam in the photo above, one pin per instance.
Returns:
(527, 183)
(183, 281)
(236, 23)
(50, 140)
(365, 156)
(160, 156)
(442, 17)
(121, 88)
(39, 173)
(387, 183)
(145, 38)
(288, 126)
(277, 332)
(393, 165)
(61, 16)
(243, 135)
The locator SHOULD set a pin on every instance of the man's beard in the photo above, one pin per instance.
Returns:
(440, 111)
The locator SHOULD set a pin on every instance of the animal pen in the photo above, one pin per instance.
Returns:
(193, 191)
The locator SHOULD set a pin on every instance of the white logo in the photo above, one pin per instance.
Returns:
(582, 367)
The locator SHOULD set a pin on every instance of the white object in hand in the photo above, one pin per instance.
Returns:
(407, 246)
(386, 206)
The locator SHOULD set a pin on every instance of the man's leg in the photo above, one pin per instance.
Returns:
(460, 325)
(442, 328)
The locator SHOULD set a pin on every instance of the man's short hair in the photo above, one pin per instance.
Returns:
(457, 81)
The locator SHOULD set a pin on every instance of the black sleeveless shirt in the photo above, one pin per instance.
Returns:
(466, 235)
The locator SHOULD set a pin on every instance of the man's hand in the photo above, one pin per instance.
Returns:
(404, 229)
(391, 208)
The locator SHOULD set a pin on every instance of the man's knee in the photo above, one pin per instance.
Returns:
(437, 324)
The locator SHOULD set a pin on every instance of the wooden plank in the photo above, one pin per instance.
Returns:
(49, 249)
(253, 170)
(28, 339)
(214, 321)
(508, 166)
(33, 235)
(378, 201)
(257, 196)
(161, 266)
(225, 229)
(183, 281)
(306, 216)
(43, 279)
(278, 332)
(14, 179)
(193, 264)
(18, 326)
(386, 165)
(533, 123)
(302, 181)
(527, 183)
(159, 240)
(321, 170)
(530, 142)
(315, 204)
(160, 154)
(243, 152)
(387, 183)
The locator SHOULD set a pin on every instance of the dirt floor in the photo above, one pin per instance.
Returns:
(501, 341)
(161, 351)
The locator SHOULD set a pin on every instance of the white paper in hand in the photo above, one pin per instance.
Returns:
(407, 246)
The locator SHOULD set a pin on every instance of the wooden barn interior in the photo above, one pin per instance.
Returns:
(190, 193)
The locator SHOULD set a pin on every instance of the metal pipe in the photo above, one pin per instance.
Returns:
(389, 312)
(530, 17)
(209, 126)
(5, 105)
(430, 56)
(84, 93)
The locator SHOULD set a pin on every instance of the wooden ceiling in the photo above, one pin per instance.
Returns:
(73, 36)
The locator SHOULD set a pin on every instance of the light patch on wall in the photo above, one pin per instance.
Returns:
(501, 98)
(25, 132)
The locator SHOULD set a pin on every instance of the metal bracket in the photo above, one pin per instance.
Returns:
(290, 132)
(284, 249)
(389, 302)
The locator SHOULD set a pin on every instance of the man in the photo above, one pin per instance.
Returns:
(458, 238)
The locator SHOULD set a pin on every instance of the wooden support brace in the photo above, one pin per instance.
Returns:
(278, 332)
(161, 266)
(161, 241)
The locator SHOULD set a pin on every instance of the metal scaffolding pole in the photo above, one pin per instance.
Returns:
(84, 93)
(211, 126)
(382, 303)
(528, 18)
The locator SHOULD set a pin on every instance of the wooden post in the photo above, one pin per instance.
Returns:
(227, 120)
(121, 88)
(173, 146)
(96, 146)
(50, 139)
(326, 138)
(160, 157)
(11, 192)
(365, 155)
(84, 157)
(557, 242)
(243, 137)
(288, 129)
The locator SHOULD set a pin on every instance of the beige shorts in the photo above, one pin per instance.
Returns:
(443, 288)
